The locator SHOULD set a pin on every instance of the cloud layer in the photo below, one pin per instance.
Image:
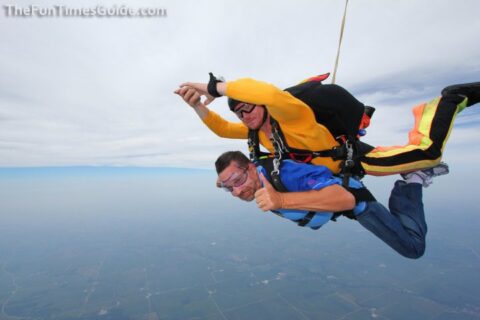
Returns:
(99, 91)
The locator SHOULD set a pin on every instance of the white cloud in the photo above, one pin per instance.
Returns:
(89, 91)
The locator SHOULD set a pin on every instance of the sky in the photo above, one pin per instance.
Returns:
(88, 92)
(98, 91)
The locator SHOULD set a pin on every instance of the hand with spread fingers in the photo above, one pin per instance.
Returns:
(268, 198)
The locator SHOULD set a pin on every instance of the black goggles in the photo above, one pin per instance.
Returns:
(243, 108)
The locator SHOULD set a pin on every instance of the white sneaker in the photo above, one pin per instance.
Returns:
(426, 175)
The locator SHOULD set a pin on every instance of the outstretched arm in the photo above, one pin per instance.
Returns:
(212, 120)
(284, 107)
(192, 97)
(281, 105)
(332, 198)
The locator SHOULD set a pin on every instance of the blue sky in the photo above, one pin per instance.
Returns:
(99, 91)
(92, 138)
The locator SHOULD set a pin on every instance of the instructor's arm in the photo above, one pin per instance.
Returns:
(192, 98)
(221, 127)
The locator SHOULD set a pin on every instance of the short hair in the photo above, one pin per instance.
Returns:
(227, 157)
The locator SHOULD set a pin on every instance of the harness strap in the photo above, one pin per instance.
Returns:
(277, 183)
(346, 150)
(336, 153)
(274, 176)
(253, 142)
(348, 213)
(253, 145)
(348, 163)
(349, 151)
(308, 217)
(360, 195)
(280, 187)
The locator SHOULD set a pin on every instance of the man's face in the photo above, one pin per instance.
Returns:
(250, 114)
(241, 182)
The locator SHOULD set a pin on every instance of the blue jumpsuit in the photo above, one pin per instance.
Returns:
(403, 227)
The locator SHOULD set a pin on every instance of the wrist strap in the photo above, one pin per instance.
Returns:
(212, 86)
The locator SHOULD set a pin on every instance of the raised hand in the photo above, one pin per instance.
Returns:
(268, 198)
(190, 95)
(200, 89)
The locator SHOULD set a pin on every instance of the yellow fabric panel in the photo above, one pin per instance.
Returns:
(425, 120)
(411, 166)
(418, 137)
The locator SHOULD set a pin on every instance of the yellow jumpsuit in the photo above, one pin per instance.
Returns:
(433, 123)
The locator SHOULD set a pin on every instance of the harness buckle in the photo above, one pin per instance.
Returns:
(349, 163)
(276, 166)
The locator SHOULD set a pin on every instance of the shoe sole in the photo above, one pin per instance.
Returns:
(461, 86)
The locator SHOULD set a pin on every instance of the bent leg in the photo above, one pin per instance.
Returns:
(426, 141)
(403, 228)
